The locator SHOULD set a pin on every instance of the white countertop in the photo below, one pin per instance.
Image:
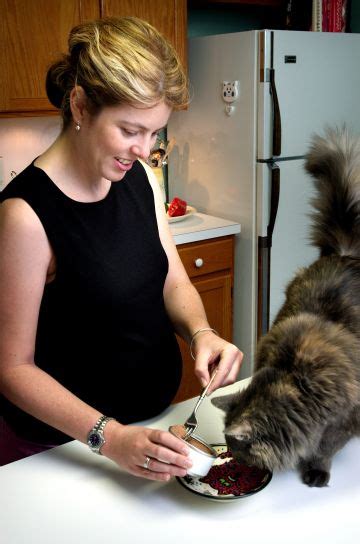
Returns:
(70, 496)
(199, 226)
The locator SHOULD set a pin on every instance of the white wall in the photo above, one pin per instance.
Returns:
(23, 139)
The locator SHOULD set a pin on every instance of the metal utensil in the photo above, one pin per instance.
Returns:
(191, 423)
(168, 150)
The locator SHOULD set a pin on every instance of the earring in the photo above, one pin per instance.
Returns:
(77, 126)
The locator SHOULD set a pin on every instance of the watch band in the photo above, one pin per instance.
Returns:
(101, 422)
(96, 438)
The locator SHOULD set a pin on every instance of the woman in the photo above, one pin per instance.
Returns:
(91, 285)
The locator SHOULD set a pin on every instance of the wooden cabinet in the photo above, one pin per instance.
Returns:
(210, 267)
(168, 16)
(33, 34)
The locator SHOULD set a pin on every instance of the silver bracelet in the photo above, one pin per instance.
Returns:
(195, 335)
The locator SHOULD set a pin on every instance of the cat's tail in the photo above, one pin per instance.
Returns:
(334, 162)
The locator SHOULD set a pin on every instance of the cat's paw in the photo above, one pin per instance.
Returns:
(315, 477)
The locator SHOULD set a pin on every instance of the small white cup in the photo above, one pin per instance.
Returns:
(201, 454)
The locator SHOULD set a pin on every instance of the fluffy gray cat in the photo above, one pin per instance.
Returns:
(303, 402)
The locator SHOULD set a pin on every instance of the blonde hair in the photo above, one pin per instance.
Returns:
(117, 61)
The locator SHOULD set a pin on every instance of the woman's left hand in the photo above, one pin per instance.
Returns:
(212, 351)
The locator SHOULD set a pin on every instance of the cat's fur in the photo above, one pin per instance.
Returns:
(303, 402)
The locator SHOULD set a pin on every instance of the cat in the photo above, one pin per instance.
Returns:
(303, 402)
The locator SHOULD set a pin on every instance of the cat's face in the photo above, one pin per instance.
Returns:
(253, 444)
(263, 426)
(253, 439)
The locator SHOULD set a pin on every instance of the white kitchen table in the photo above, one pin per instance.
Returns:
(70, 496)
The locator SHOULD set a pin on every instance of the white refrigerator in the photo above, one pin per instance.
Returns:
(257, 97)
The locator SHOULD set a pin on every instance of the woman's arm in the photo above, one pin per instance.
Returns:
(25, 257)
(186, 310)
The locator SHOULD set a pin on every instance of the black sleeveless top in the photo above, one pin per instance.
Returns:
(103, 331)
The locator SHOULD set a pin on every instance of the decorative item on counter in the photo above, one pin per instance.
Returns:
(177, 210)
(176, 207)
(158, 156)
(158, 159)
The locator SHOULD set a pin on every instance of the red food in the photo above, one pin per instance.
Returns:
(177, 207)
(234, 478)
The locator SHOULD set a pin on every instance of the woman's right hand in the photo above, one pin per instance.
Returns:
(130, 446)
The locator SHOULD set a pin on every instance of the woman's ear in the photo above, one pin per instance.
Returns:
(77, 103)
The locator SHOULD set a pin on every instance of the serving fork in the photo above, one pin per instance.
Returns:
(191, 423)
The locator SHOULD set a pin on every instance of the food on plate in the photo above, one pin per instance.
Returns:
(226, 479)
(232, 477)
(177, 207)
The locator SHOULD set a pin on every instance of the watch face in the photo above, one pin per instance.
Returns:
(95, 440)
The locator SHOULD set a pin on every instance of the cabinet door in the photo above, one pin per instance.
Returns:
(168, 16)
(32, 35)
(215, 293)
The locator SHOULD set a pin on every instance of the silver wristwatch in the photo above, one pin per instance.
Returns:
(95, 438)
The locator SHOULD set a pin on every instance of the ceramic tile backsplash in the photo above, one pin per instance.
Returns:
(23, 139)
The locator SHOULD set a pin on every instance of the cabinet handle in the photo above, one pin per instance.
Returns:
(199, 262)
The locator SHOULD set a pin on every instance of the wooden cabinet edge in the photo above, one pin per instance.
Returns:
(205, 283)
(181, 32)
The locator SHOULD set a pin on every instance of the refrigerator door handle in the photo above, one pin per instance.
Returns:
(264, 256)
(276, 115)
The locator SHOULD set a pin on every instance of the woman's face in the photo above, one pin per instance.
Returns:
(117, 136)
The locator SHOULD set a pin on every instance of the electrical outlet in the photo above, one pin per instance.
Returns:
(230, 91)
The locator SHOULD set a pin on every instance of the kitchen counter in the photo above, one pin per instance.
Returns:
(69, 495)
(199, 226)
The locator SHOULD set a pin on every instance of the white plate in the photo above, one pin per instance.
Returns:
(227, 480)
(189, 211)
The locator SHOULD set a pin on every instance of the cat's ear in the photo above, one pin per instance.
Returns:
(226, 402)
